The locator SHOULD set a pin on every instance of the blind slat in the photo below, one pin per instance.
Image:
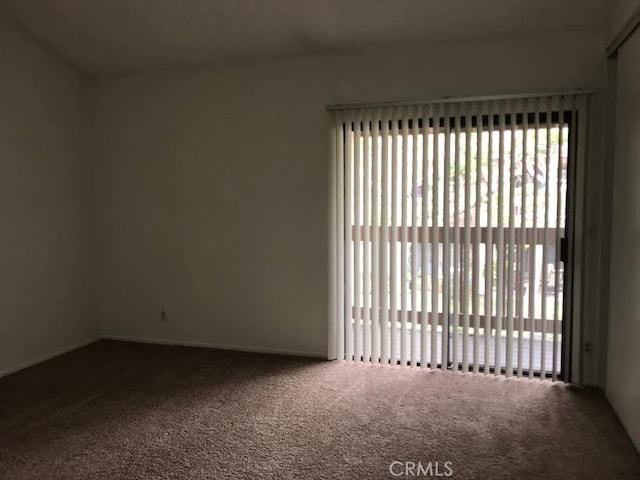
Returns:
(349, 263)
(366, 244)
(425, 313)
(511, 243)
(340, 244)
(559, 200)
(533, 254)
(488, 276)
(435, 246)
(414, 238)
(404, 235)
(357, 248)
(385, 218)
(500, 247)
(375, 244)
(394, 239)
(446, 250)
(543, 303)
(456, 244)
(466, 258)
(475, 307)
(520, 290)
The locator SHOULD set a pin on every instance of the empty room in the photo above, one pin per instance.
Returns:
(319, 239)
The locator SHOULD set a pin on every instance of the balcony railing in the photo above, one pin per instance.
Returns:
(520, 239)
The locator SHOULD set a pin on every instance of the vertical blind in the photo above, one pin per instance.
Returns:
(449, 222)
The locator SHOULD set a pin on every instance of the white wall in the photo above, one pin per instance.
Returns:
(623, 379)
(211, 185)
(43, 193)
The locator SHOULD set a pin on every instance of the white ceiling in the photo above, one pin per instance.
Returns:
(115, 36)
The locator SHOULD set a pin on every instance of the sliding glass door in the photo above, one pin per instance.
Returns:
(454, 221)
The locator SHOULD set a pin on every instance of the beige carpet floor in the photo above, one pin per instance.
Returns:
(120, 410)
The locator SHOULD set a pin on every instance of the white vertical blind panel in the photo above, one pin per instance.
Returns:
(446, 239)
(357, 248)
(533, 249)
(376, 257)
(488, 275)
(404, 235)
(545, 232)
(386, 249)
(477, 202)
(349, 263)
(520, 265)
(500, 244)
(366, 245)
(424, 239)
(395, 160)
(511, 241)
(340, 244)
(456, 243)
(435, 238)
(465, 285)
(332, 347)
(568, 105)
(414, 237)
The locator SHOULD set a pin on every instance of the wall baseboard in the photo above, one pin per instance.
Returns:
(155, 341)
(237, 348)
(49, 356)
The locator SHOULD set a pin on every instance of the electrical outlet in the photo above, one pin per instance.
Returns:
(163, 316)
(587, 347)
